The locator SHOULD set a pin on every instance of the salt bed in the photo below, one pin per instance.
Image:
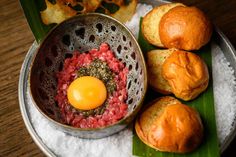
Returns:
(120, 144)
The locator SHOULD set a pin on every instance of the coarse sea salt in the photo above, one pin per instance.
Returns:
(224, 86)
(120, 144)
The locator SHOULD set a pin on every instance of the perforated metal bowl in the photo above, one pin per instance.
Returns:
(83, 33)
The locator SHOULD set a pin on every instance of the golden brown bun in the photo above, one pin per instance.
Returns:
(150, 23)
(155, 60)
(185, 28)
(186, 73)
(170, 126)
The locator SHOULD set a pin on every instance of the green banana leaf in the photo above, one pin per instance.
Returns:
(32, 10)
(204, 104)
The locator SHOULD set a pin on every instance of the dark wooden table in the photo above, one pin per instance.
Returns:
(15, 40)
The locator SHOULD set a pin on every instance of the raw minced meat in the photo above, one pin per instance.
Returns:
(116, 107)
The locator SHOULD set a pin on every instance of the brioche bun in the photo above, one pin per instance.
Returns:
(175, 25)
(179, 72)
(167, 125)
(186, 73)
(150, 23)
(185, 28)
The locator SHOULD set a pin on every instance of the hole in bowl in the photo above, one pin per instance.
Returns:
(130, 67)
(130, 101)
(119, 49)
(124, 38)
(80, 32)
(134, 107)
(133, 55)
(91, 38)
(136, 66)
(66, 40)
(129, 84)
(71, 47)
(113, 28)
(99, 27)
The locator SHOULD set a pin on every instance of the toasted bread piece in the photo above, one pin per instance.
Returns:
(155, 60)
(150, 23)
(167, 125)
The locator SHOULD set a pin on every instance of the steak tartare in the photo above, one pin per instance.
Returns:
(102, 64)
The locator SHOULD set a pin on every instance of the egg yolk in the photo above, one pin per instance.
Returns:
(86, 93)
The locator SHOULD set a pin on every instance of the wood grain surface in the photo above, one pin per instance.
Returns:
(15, 40)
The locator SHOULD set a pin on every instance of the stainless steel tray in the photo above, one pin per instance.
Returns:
(218, 37)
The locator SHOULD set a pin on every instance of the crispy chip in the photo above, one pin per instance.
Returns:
(87, 5)
(63, 9)
(90, 5)
(117, 2)
(125, 13)
(67, 2)
(56, 13)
